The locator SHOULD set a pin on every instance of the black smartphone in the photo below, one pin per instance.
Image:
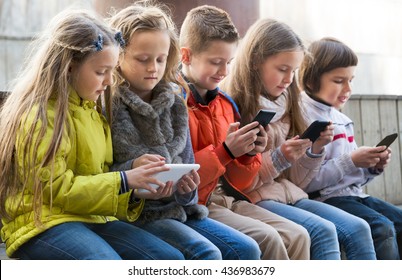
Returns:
(388, 140)
(264, 117)
(314, 130)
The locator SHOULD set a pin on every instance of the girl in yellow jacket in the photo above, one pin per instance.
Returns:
(57, 198)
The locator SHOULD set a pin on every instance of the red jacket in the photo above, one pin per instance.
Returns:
(208, 128)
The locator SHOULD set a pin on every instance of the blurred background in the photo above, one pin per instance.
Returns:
(373, 28)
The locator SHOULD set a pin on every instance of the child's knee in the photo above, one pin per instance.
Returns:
(383, 229)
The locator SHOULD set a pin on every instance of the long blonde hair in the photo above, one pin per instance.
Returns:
(264, 38)
(72, 36)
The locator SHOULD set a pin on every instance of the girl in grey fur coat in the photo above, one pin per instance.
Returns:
(150, 123)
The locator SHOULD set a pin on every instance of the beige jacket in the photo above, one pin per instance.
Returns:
(268, 184)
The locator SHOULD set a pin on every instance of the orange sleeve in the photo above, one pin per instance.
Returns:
(241, 172)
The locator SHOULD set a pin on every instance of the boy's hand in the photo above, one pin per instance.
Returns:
(366, 157)
(385, 158)
(261, 142)
(240, 141)
(295, 148)
(325, 138)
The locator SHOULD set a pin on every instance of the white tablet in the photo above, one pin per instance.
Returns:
(174, 174)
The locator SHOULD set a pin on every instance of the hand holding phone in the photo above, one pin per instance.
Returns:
(388, 140)
(314, 130)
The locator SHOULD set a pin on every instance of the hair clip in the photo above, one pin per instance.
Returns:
(119, 38)
(99, 44)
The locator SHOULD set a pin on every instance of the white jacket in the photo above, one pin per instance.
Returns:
(338, 176)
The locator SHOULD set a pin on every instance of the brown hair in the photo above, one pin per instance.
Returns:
(324, 55)
(205, 24)
(266, 37)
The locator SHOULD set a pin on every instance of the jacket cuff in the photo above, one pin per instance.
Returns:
(279, 160)
(228, 150)
(123, 183)
(311, 155)
(223, 155)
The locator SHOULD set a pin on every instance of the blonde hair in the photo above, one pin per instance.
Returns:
(205, 24)
(264, 38)
(71, 37)
(149, 16)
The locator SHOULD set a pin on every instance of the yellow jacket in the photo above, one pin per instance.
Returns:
(83, 189)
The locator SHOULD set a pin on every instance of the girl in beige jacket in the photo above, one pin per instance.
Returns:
(262, 78)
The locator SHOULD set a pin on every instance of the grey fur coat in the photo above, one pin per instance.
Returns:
(159, 127)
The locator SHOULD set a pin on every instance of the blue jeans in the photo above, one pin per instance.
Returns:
(205, 239)
(328, 226)
(110, 241)
(384, 218)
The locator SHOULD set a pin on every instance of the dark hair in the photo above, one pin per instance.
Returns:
(323, 56)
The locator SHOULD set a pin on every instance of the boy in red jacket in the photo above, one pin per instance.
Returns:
(229, 155)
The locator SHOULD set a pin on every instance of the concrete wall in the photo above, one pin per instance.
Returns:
(20, 21)
(373, 28)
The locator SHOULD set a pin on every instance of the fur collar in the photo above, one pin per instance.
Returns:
(159, 127)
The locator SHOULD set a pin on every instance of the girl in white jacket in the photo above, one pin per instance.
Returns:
(326, 76)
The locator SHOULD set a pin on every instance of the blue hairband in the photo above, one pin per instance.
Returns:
(99, 43)
(119, 38)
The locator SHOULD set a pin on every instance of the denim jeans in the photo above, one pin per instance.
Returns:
(205, 239)
(328, 226)
(384, 218)
(110, 241)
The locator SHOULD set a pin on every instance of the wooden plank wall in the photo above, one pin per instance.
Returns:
(376, 116)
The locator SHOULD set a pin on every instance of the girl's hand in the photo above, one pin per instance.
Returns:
(295, 148)
(240, 141)
(145, 159)
(188, 182)
(141, 177)
(161, 192)
(325, 138)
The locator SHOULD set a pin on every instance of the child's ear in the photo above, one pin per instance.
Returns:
(71, 66)
(185, 55)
